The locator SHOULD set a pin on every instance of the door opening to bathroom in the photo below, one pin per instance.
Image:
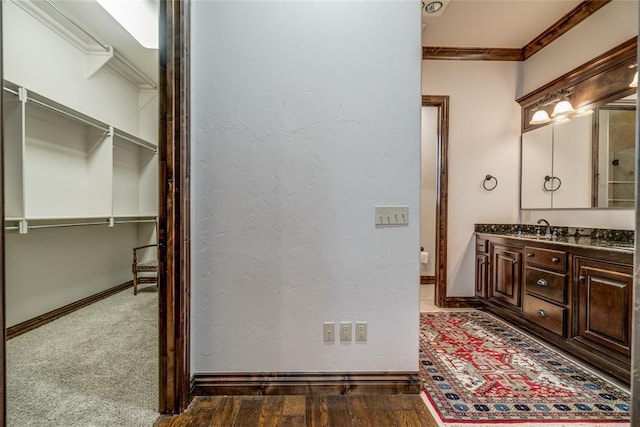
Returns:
(433, 221)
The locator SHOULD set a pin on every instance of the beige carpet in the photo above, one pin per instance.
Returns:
(97, 366)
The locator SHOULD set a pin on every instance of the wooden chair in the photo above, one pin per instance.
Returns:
(144, 267)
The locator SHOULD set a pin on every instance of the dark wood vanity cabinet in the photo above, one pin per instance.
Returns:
(482, 267)
(545, 285)
(578, 298)
(604, 304)
(505, 286)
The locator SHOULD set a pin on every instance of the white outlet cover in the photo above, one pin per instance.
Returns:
(345, 331)
(361, 331)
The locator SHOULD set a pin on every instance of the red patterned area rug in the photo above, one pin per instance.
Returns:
(478, 371)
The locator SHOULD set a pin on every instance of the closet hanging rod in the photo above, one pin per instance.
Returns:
(77, 224)
(136, 221)
(135, 69)
(11, 228)
(68, 114)
(134, 141)
(15, 92)
(68, 18)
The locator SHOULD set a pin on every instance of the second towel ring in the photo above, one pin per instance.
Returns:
(550, 179)
(489, 178)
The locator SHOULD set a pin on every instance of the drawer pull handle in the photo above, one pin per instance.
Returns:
(542, 282)
(530, 255)
(542, 313)
(555, 259)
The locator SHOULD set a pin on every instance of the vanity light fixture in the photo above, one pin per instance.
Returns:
(634, 82)
(562, 108)
(540, 117)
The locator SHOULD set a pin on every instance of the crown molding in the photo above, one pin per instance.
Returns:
(560, 27)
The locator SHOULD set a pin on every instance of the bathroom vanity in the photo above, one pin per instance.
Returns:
(573, 292)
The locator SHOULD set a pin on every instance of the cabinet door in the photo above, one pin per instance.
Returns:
(604, 304)
(482, 275)
(572, 154)
(537, 150)
(507, 275)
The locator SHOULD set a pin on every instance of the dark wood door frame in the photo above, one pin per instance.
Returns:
(442, 103)
(3, 363)
(174, 211)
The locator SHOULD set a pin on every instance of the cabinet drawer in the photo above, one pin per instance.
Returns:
(482, 245)
(545, 314)
(547, 258)
(547, 284)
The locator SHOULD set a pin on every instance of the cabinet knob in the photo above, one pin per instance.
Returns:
(530, 255)
(542, 313)
(513, 261)
(542, 282)
(582, 279)
(555, 259)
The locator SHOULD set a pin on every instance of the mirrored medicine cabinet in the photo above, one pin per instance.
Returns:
(585, 159)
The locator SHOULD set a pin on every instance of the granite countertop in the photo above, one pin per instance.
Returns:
(612, 240)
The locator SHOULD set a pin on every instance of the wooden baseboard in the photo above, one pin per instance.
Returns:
(427, 280)
(316, 383)
(462, 302)
(43, 319)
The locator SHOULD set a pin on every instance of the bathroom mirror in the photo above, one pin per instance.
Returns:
(588, 162)
(614, 155)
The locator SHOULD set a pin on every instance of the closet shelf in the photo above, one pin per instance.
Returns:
(59, 168)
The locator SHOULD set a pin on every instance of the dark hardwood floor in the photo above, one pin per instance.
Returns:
(333, 410)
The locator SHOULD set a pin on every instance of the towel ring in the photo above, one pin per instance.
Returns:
(550, 179)
(487, 179)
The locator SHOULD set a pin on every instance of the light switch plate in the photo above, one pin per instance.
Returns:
(392, 215)
(329, 331)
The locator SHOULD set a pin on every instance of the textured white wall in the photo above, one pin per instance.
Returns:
(484, 138)
(613, 24)
(305, 116)
(428, 187)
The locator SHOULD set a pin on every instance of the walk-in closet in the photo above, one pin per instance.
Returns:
(80, 111)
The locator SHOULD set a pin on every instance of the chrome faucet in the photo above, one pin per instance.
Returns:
(547, 233)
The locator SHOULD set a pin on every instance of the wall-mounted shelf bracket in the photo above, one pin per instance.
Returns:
(111, 222)
(23, 226)
(22, 94)
(96, 60)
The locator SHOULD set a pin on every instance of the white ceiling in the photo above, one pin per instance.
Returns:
(492, 23)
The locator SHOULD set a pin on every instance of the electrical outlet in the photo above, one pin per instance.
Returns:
(345, 331)
(361, 331)
(329, 331)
